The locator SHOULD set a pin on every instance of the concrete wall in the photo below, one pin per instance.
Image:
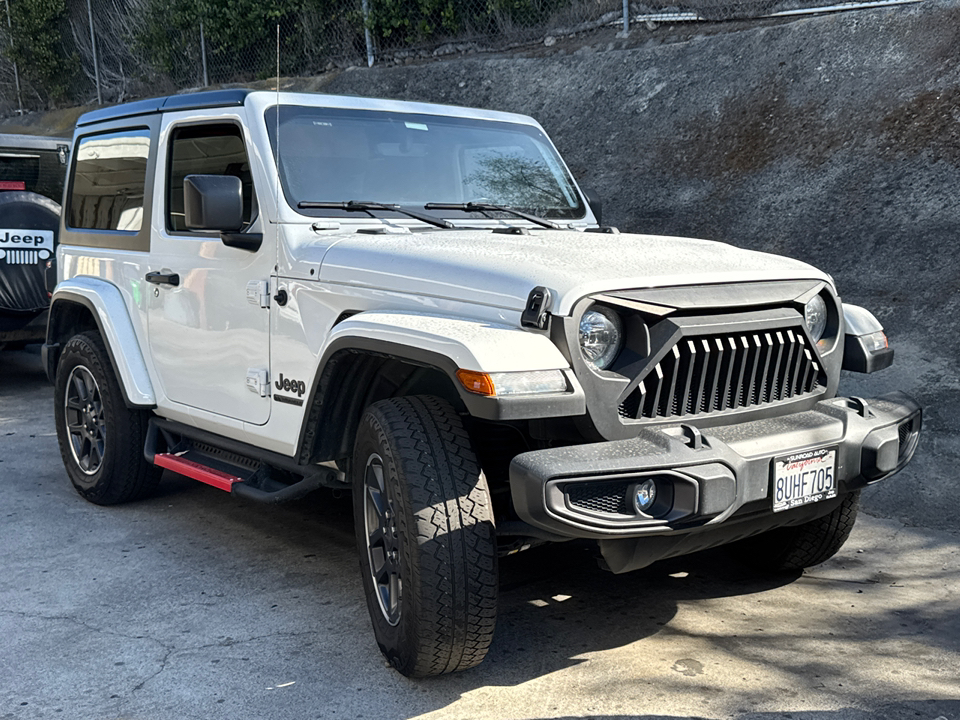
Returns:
(833, 139)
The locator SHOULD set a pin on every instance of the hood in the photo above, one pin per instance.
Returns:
(482, 267)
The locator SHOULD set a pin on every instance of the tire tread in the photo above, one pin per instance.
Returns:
(455, 590)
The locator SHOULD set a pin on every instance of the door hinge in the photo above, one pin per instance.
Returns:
(258, 381)
(258, 293)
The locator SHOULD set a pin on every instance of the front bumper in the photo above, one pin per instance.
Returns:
(712, 479)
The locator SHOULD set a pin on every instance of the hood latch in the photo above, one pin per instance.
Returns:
(536, 314)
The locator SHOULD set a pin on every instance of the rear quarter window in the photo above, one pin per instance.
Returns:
(110, 172)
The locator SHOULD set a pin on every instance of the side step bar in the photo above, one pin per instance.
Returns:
(232, 466)
(191, 469)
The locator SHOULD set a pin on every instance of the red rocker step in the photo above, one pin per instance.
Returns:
(191, 469)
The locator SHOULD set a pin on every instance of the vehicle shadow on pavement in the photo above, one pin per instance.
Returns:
(558, 608)
(22, 371)
(555, 603)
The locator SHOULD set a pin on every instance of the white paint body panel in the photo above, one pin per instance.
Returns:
(470, 344)
(207, 317)
(481, 267)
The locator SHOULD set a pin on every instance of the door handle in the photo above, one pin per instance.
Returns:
(163, 278)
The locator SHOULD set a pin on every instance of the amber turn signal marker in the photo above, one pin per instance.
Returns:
(476, 382)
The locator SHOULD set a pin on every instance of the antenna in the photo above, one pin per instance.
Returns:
(276, 147)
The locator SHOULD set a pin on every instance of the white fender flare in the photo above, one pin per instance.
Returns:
(105, 302)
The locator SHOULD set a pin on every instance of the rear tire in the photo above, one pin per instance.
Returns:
(101, 439)
(795, 548)
(425, 532)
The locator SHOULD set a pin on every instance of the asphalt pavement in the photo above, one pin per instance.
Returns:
(193, 604)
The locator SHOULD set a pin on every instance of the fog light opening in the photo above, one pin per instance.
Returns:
(645, 495)
(909, 434)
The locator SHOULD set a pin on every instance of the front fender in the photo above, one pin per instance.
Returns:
(106, 306)
(451, 343)
(469, 344)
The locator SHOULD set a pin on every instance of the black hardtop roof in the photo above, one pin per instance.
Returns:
(187, 101)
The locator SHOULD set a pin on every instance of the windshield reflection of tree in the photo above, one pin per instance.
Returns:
(516, 180)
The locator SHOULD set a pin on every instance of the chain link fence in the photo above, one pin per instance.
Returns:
(58, 53)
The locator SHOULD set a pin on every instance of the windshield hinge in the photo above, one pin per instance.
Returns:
(258, 293)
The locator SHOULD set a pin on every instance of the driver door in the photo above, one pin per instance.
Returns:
(209, 336)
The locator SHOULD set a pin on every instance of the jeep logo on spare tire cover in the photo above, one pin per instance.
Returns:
(29, 223)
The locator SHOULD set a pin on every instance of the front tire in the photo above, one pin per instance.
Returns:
(101, 439)
(788, 549)
(425, 533)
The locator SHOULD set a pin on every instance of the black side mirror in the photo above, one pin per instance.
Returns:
(213, 202)
(596, 204)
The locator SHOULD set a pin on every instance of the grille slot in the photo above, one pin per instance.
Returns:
(609, 497)
(909, 437)
(713, 373)
(904, 432)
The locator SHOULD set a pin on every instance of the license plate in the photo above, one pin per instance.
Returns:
(804, 477)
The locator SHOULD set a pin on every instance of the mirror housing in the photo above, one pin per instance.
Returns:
(213, 202)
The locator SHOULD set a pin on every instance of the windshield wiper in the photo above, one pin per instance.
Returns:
(368, 205)
(487, 207)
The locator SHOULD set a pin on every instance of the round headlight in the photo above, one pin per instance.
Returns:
(601, 336)
(815, 317)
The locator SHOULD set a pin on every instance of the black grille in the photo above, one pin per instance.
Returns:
(714, 373)
(600, 497)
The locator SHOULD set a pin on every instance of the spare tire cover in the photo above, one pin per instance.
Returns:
(29, 224)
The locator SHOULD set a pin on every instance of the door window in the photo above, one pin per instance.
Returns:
(206, 150)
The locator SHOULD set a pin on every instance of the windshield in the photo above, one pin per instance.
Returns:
(335, 155)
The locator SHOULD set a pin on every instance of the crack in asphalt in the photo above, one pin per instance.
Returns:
(81, 623)
(170, 651)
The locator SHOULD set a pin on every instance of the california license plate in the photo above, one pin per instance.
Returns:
(804, 477)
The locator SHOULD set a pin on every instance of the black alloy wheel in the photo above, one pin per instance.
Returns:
(383, 547)
(83, 414)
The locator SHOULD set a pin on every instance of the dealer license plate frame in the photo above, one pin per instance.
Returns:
(803, 477)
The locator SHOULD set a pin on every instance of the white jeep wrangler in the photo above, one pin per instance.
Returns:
(273, 293)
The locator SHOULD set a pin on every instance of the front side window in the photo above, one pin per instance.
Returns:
(335, 155)
(206, 150)
(108, 182)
